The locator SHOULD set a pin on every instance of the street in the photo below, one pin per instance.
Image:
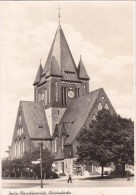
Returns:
(79, 181)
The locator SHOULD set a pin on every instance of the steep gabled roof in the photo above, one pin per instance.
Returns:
(38, 75)
(35, 119)
(77, 113)
(82, 74)
(63, 57)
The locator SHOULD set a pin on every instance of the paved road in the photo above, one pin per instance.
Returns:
(62, 182)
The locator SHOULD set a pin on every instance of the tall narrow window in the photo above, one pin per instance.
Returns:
(23, 146)
(42, 96)
(55, 144)
(56, 92)
(39, 97)
(84, 88)
(49, 92)
(65, 95)
(62, 142)
(99, 106)
(62, 94)
(106, 106)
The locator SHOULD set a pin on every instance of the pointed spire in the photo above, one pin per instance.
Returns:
(82, 74)
(39, 74)
(64, 60)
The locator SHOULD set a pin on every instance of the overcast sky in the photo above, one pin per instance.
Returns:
(102, 32)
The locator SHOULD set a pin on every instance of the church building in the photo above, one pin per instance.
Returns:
(62, 107)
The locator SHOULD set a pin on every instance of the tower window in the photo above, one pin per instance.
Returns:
(49, 91)
(58, 112)
(56, 93)
(64, 94)
(42, 96)
(99, 106)
(45, 99)
(84, 88)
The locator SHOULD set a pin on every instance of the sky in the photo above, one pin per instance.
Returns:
(101, 32)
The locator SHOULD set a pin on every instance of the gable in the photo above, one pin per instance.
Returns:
(36, 121)
(20, 133)
(102, 100)
(80, 112)
(77, 113)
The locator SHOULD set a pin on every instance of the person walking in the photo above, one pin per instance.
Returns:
(128, 175)
(69, 179)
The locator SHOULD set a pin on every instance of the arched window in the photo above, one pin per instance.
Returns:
(42, 96)
(84, 88)
(106, 106)
(99, 106)
(55, 144)
(62, 142)
(23, 146)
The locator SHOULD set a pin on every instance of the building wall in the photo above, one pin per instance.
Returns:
(54, 116)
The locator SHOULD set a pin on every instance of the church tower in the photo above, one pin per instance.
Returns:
(60, 80)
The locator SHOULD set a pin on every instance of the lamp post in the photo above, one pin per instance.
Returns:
(41, 146)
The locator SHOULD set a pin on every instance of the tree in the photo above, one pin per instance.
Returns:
(108, 139)
(24, 167)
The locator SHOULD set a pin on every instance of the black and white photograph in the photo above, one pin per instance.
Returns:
(67, 97)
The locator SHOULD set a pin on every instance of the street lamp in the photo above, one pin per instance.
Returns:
(41, 146)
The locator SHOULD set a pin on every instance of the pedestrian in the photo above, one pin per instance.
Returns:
(69, 179)
(128, 175)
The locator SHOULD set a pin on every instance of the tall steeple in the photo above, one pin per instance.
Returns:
(61, 52)
(60, 81)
